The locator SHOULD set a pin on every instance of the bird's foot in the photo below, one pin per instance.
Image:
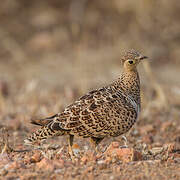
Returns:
(97, 150)
(97, 154)
(125, 142)
(73, 158)
(72, 155)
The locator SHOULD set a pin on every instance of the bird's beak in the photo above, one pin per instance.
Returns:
(143, 57)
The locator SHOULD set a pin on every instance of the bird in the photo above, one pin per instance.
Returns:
(109, 111)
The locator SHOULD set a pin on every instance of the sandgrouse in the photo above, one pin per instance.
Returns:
(108, 111)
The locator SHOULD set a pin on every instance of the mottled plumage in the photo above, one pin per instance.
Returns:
(108, 111)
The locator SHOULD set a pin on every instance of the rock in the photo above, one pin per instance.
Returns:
(4, 159)
(36, 157)
(128, 154)
(84, 159)
(123, 154)
(88, 157)
(177, 160)
(156, 150)
(88, 169)
(115, 144)
(112, 146)
(169, 147)
(3, 172)
(76, 149)
(49, 165)
(14, 165)
(45, 164)
(58, 164)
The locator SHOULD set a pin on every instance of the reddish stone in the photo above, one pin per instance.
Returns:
(110, 148)
(108, 160)
(75, 146)
(4, 159)
(15, 165)
(88, 157)
(76, 149)
(58, 163)
(115, 144)
(45, 164)
(123, 154)
(36, 157)
(128, 154)
(84, 159)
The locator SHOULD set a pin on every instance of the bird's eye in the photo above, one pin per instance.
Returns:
(131, 62)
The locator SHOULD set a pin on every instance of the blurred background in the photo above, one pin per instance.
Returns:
(53, 51)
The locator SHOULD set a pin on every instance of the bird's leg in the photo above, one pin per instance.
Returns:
(95, 141)
(125, 142)
(70, 142)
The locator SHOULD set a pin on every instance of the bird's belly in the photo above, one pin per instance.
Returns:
(119, 130)
(124, 125)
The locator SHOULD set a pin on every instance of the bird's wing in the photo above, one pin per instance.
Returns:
(92, 114)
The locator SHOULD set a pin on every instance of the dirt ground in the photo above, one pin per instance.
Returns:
(52, 52)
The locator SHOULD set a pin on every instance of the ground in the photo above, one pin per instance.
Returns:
(52, 52)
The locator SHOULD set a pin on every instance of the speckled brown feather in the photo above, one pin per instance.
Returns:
(108, 111)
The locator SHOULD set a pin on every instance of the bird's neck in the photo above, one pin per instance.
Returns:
(129, 84)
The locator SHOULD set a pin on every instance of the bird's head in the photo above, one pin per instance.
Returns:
(131, 59)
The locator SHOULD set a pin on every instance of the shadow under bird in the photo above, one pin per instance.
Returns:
(109, 111)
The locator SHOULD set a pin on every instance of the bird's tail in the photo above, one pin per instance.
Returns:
(43, 122)
(49, 129)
